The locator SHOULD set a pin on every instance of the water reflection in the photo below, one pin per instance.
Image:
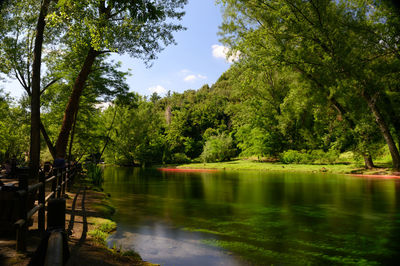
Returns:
(259, 217)
(163, 244)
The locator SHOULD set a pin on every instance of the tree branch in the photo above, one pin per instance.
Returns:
(48, 141)
(48, 85)
(22, 82)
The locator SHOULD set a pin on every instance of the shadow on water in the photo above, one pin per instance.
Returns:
(229, 218)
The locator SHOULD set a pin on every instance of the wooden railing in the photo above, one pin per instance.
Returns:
(60, 179)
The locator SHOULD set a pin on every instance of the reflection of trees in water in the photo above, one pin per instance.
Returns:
(264, 216)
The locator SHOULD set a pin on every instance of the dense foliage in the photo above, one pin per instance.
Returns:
(311, 79)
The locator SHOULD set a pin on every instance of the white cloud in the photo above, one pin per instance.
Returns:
(191, 78)
(220, 51)
(158, 89)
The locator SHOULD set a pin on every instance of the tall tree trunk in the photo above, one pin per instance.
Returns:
(394, 152)
(73, 103)
(393, 116)
(34, 160)
(71, 141)
(369, 164)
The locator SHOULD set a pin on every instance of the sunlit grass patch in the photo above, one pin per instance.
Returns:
(271, 166)
(102, 228)
(102, 224)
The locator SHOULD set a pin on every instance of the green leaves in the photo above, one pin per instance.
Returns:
(139, 28)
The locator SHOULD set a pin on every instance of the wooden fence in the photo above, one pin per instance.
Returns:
(26, 195)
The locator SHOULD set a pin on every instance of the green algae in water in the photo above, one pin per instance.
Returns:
(267, 218)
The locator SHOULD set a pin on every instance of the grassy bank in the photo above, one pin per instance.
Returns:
(275, 166)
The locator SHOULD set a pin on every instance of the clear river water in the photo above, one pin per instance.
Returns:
(255, 217)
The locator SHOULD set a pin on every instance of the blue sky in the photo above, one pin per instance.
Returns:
(197, 59)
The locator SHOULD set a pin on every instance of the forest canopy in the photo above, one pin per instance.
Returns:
(312, 80)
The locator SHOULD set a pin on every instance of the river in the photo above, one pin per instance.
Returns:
(254, 217)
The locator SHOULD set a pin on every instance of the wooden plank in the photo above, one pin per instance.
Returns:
(51, 194)
(50, 179)
(35, 186)
(34, 210)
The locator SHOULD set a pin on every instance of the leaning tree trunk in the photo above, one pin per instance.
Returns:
(73, 103)
(369, 164)
(34, 160)
(394, 152)
(71, 141)
(394, 117)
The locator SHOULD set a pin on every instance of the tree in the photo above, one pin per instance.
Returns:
(137, 28)
(19, 22)
(218, 148)
(14, 130)
(104, 84)
(136, 134)
(336, 45)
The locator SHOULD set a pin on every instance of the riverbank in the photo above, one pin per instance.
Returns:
(276, 166)
(93, 249)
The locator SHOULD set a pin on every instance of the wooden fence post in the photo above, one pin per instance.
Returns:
(55, 250)
(56, 214)
(22, 229)
(64, 180)
(59, 182)
(54, 183)
(42, 211)
(57, 247)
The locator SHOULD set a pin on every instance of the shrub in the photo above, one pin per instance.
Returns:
(218, 148)
(257, 141)
(292, 156)
(180, 158)
(312, 157)
(347, 156)
(321, 157)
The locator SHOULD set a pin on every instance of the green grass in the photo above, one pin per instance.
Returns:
(340, 168)
(268, 166)
(102, 228)
(101, 231)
